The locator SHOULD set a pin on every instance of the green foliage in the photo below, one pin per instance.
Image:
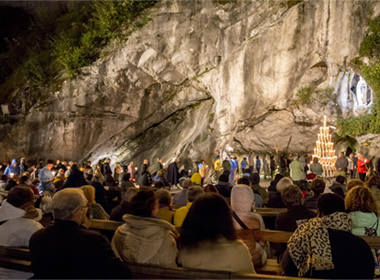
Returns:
(303, 95)
(292, 3)
(370, 47)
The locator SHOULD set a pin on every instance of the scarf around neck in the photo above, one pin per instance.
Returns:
(309, 246)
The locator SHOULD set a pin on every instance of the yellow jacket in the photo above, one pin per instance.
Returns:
(180, 214)
(218, 165)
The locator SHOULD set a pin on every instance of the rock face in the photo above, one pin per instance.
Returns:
(202, 75)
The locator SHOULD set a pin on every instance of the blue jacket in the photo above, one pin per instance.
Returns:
(12, 169)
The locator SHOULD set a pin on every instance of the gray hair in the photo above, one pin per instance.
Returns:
(286, 181)
(66, 202)
(193, 193)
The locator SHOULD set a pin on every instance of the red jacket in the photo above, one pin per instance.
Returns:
(361, 166)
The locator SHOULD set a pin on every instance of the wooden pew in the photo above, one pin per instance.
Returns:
(19, 259)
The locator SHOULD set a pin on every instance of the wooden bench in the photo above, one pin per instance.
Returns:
(19, 259)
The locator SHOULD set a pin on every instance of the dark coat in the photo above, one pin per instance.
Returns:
(145, 179)
(119, 211)
(163, 180)
(75, 180)
(351, 256)
(107, 169)
(173, 175)
(275, 201)
(67, 251)
(291, 219)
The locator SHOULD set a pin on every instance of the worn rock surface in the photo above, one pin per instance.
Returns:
(200, 76)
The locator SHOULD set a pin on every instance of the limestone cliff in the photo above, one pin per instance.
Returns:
(202, 75)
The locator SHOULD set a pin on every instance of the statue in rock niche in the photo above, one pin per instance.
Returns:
(361, 92)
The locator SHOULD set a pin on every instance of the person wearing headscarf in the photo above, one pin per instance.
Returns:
(242, 199)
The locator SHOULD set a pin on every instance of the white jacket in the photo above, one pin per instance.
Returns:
(17, 230)
(222, 255)
(146, 240)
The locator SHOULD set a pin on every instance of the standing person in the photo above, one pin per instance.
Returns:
(145, 179)
(226, 164)
(46, 178)
(266, 164)
(251, 161)
(23, 166)
(316, 167)
(297, 169)
(233, 169)
(355, 160)
(203, 172)
(351, 166)
(99, 174)
(244, 164)
(107, 168)
(159, 165)
(272, 167)
(173, 175)
(75, 179)
(117, 172)
(341, 165)
(218, 167)
(362, 169)
(258, 164)
(131, 170)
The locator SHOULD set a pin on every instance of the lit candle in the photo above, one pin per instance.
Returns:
(320, 130)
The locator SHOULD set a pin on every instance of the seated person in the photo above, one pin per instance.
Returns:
(164, 205)
(318, 248)
(208, 238)
(144, 238)
(354, 183)
(296, 214)
(276, 201)
(224, 187)
(339, 186)
(180, 198)
(196, 179)
(161, 178)
(124, 207)
(272, 186)
(255, 180)
(242, 199)
(96, 210)
(318, 186)
(180, 214)
(67, 250)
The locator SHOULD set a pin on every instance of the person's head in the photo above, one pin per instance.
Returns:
(160, 173)
(74, 168)
(360, 199)
(131, 163)
(159, 185)
(374, 180)
(210, 188)
(330, 203)
(208, 219)
(291, 195)
(164, 197)
(354, 183)
(128, 193)
(126, 177)
(318, 186)
(146, 161)
(244, 181)
(70, 204)
(303, 185)
(255, 178)
(244, 158)
(50, 164)
(351, 155)
(144, 203)
(108, 160)
(58, 161)
(361, 157)
(286, 181)
(223, 178)
(187, 184)
(341, 154)
(24, 179)
(341, 179)
(14, 162)
(89, 193)
(278, 177)
(202, 161)
(20, 197)
(193, 193)
(257, 157)
(315, 160)
(242, 198)
(159, 159)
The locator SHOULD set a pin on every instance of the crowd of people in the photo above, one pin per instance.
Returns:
(197, 228)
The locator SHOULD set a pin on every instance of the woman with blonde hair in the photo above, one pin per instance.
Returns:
(96, 210)
(360, 203)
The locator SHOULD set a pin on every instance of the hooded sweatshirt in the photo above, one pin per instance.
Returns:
(146, 240)
(242, 198)
(12, 169)
(362, 220)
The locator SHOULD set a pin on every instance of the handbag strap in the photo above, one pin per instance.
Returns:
(240, 222)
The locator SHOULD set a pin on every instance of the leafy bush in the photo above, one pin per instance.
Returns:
(303, 95)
